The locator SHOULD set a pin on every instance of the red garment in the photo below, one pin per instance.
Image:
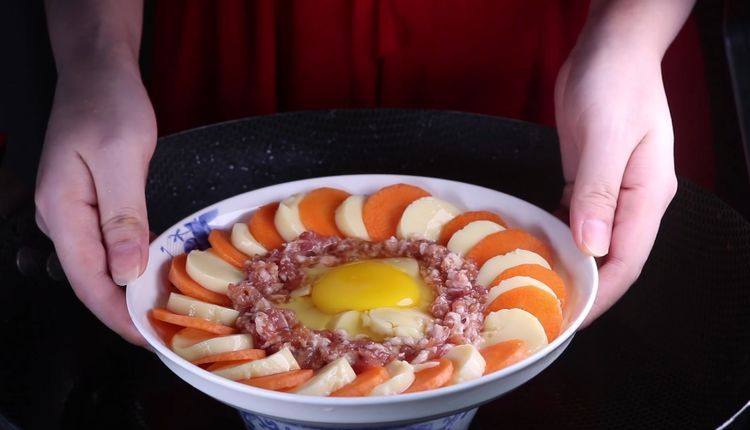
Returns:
(218, 60)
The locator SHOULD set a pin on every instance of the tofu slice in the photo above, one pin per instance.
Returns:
(281, 361)
(401, 377)
(218, 345)
(465, 239)
(389, 322)
(184, 305)
(349, 219)
(243, 240)
(424, 218)
(507, 324)
(500, 263)
(515, 282)
(330, 378)
(349, 321)
(287, 220)
(211, 272)
(468, 363)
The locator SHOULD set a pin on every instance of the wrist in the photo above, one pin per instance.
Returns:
(98, 62)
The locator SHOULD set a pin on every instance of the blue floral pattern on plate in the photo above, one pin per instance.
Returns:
(192, 235)
(459, 421)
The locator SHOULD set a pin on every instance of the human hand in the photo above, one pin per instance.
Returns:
(90, 194)
(616, 144)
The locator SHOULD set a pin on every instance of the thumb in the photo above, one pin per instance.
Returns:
(122, 216)
(596, 189)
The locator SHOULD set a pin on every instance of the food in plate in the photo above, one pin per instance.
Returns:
(331, 294)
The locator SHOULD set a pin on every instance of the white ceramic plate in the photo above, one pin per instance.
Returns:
(150, 290)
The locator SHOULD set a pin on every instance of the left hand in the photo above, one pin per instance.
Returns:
(616, 143)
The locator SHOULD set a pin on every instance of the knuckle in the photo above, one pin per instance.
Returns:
(628, 272)
(125, 220)
(600, 195)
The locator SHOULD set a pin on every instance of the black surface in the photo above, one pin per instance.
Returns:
(674, 353)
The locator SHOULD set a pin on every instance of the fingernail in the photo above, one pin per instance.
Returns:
(595, 237)
(125, 262)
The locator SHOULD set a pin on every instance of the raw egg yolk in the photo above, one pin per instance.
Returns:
(364, 285)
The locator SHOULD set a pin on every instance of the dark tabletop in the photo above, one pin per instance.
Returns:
(674, 353)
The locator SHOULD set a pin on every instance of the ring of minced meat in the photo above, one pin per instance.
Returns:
(457, 308)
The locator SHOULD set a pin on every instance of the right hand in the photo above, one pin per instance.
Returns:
(90, 194)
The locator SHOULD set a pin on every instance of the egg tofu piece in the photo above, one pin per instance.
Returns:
(424, 218)
(499, 263)
(244, 241)
(184, 305)
(468, 363)
(349, 219)
(516, 282)
(281, 361)
(211, 272)
(465, 239)
(287, 219)
(507, 324)
(401, 377)
(390, 322)
(349, 321)
(330, 378)
(217, 345)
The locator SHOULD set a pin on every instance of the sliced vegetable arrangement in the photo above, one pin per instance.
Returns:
(396, 321)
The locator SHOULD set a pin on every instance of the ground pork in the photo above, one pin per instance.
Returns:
(457, 308)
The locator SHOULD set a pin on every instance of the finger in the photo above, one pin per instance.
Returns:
(604, 155)
(120, 191)
(77, 238)
(648, 186)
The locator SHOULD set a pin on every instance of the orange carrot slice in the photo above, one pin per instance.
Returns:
(224, 364)
(463, 220)
(281, 381)
(363, 383)
(166, 332)
(263, 229)
(382, 211)
(503, 242)
(535, 301)
(222, 245)
(244, 354)
(179, 277)
(433, 377)
(541, 274)
(317, 210)
(186, 321)
(503, 354)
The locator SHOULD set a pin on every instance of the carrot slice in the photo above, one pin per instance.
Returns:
(433, 377)
(463, 220)
(186, 321)
(503, 354)
(244, 354)
(224, 364)
(281, 381)
(317, 210)
(179, 277)
(363, 383)
(222, 244)
(263, 229)
(166, 332)
(541, 274)
(503, 242)
(382, 211)
(535, 301)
